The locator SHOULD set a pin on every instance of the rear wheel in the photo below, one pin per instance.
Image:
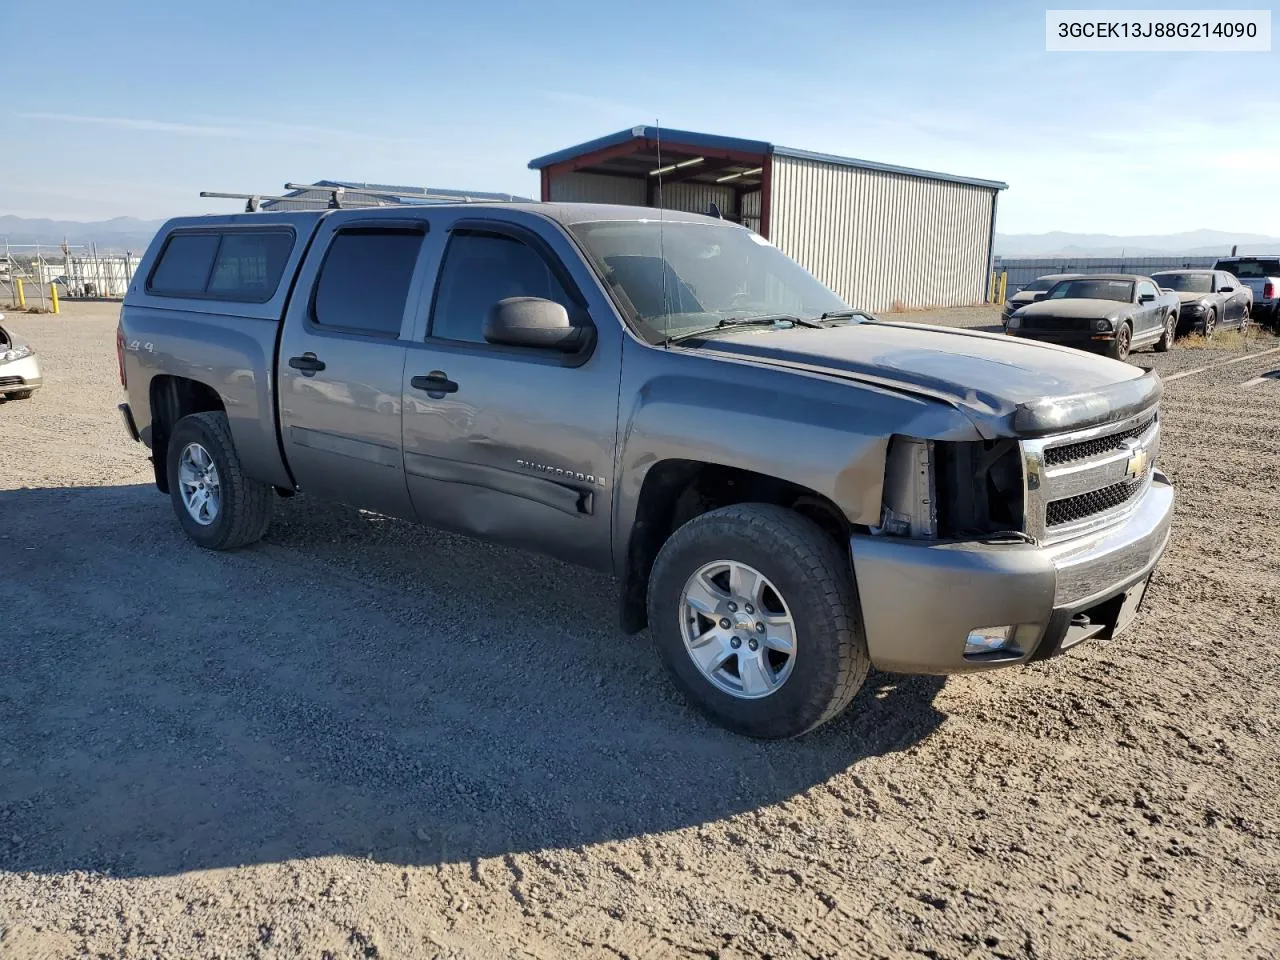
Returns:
(1167, 335)
(1119, 349)
(755, 615)
(217, 505)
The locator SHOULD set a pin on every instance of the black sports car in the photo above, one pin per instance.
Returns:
(1208, 299)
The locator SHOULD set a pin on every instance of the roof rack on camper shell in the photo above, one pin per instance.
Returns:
(335, 194)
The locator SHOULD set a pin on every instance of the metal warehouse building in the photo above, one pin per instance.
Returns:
(876, 234)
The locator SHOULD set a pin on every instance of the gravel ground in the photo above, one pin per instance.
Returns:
(361, 739)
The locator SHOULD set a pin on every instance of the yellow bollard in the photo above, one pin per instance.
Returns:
(22, 296)
(53, 289)
(991, 288)
(1004, 286)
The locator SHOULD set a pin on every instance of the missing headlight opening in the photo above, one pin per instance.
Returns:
(979, 487)
(946, 489)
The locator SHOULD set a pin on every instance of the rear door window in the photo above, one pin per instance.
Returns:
(364, 280)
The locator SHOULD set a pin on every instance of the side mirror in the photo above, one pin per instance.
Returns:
(532, 322)
(1146, 298)
(1225, 290)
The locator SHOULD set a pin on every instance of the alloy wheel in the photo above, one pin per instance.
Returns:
(738, 629)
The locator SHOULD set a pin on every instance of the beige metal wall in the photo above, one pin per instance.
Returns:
(696, 197)
(880, 238)
(597, 188)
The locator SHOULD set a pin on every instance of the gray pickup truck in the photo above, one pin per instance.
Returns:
(788, 490)
(1262, 276)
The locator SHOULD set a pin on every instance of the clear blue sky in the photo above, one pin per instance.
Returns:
(132, 108)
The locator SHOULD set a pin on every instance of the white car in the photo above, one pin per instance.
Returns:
(19, 368)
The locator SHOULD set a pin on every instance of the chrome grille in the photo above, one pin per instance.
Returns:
(1085, 449)
(1087, 479)
(1071, 509)
(11, 381)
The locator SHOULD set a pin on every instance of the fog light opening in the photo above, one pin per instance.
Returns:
(987, 640)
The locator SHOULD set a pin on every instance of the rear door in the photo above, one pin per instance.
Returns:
(512, 444)
(342, 357)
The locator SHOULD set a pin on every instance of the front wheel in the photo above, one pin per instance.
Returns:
(754, 612)
(19, 395)
(1167, 335)
(1119, 349)
(217, 505)
(1210, 324)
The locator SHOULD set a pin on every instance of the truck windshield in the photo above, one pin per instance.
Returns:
(1121, 290)
(1185, 282)
(679, 276)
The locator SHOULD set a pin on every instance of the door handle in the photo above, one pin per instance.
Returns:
(435, 383)
(307, 363)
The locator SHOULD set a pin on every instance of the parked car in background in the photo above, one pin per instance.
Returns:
(19, 368)
(1209, 299)
(581, 380)
(1262, 276)
(1112, 313)
(1033, 291)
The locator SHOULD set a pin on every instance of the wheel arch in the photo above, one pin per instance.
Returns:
(674, 491)
(172, 398)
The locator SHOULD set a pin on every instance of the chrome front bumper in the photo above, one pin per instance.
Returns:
(921, 599)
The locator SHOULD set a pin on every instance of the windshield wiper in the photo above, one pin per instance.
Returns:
(844, 315)
(768, 318)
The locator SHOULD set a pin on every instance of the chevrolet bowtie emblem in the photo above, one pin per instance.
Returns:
(1138, 457)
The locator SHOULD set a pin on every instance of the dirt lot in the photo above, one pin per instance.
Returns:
(365, 739)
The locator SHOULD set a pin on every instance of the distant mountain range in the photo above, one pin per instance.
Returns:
(129, 233)
(1193, 243)
(117, 235)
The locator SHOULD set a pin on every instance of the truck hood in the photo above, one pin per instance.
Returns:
(1006, 385)
(1083, 308)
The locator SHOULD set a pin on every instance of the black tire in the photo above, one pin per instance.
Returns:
(1210, 323)
(245, 505)
(1119, 349)
(19, 395)
(815, 578)
(1168, 334)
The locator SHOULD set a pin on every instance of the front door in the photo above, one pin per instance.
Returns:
(342, 362)
(512, 444)
(1149, 316)
(1233, 300)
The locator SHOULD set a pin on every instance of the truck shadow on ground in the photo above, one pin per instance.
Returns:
(353, 685)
